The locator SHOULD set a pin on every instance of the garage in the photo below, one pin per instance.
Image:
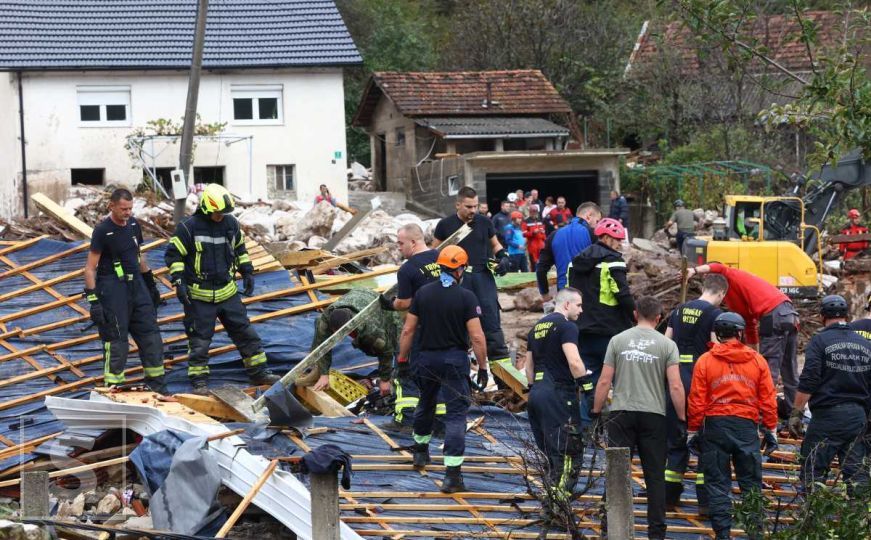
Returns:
(576, 186)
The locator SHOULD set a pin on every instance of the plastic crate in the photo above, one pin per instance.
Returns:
(344, 389)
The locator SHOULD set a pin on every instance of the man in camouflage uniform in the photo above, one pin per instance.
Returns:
(377, 337)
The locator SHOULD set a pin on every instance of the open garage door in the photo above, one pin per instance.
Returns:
(576, 186)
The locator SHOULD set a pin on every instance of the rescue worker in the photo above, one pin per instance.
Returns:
(533, 231)
(448, 318)
(377, 336)
(420, 267)
(686, 223)
(564, 244)
(731, 390)
(599, 272)
(772, 322)
(642, 364)
(863, 326)
(836, 384)
(501, 219)
(853, 227)
(480, 269)
(123, 295)
(691, 327)
(556, 370)
(203, 256)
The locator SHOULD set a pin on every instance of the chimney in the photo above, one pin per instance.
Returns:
(488, 100)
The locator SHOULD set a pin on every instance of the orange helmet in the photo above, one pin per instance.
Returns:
(516, 215)
(453, 257)
(853, 213)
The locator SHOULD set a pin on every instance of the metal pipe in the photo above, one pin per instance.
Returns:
(23, 144)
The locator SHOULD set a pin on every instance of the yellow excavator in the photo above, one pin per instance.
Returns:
(776, 237)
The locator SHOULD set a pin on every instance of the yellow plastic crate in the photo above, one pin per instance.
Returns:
(344, 389)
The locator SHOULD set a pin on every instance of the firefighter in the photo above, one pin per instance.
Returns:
(448, 318)
(853, 227)
(481, 268)
(203, 256)
(377, 337)
(420, 267)
(556, 370)
(691, 326)
(731, 389)
(123, 296)
(836, 384)
(863, 326)
(599, 272)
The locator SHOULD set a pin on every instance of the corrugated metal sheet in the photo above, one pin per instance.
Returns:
(473, 127)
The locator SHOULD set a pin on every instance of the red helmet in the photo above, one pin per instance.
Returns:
(516, 215)
(612, 228)
(853, 213)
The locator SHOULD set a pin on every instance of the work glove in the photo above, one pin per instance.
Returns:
(181, 291)
(148, 277)
(98, 316)
(682, 430)
(482, 379)
(500, 265)
(386, 302)
(694, 443)
(403, 368)
(248, 284)
(769, 442)
(585, 384)
(796, 426)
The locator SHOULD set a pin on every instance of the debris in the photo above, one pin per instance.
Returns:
(528, 300)
(109, 504)
(10, 530)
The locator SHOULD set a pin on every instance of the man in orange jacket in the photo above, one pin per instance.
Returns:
(853, 227)
(731, 389)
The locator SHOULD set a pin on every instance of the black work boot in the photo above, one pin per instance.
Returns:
(201, 387)
(453, 481)
(672, 495)
(421, 456)
(156, 385)
(264, 377)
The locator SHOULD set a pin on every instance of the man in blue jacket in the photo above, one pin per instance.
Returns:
(564, 244)
(619, 209)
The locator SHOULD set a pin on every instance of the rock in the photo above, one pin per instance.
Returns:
(10, 530)
(661, 238)
(108, 505)
(316, 242)
(528, 299)
(74, 203)
(281, 204)
(259, 220)
(92, 498)
(139, 523)
(699, 213)
(78, 505)
(646, 245)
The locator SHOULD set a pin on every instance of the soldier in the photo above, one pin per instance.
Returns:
(203, 256)
(123, 296)
(377, 337)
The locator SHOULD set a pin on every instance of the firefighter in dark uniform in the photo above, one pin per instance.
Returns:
(203, 256)
(691, 327)
(836, 383)
(863, 326)
(377, 337)
(448, 318)
(123, 296)
(483, 240)
(420, 267)
(557, 374)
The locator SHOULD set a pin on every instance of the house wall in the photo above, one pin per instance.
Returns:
(386, 120)
(311, 136)
(11, 203)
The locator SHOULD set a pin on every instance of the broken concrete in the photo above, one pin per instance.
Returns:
(10, 530)
(108, 504)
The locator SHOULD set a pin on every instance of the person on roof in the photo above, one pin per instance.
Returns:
(772, 321)
(730, 391)
(836, 383)
(203, 256)
(851, 249)
(516, 243)
(564, 244)
(448, 318)
(599, 272)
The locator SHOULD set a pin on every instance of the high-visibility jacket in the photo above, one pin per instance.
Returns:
(732, 380)
(207, 255)
(852, 249)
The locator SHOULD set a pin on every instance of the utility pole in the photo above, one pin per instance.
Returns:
(190, 110)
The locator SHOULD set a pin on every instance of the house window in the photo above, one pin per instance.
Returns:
(88, 177)
(280, 176)
(400, 136)
(209, 175)
(453, 185)
(257, 104)
(101, 106)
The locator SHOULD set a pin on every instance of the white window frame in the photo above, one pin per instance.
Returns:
(454, 185)
(272, 176)
(102, 96)
(254, 92)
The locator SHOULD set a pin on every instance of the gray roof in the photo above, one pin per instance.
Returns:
(158, 34)
(492, 127)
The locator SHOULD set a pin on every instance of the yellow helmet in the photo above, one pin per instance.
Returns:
(216, 198)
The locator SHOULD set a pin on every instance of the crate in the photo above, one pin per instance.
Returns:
(344, 389)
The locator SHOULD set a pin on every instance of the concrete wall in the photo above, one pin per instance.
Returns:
(386, 122)
(429, 187)
(311, 135)
(11, 202)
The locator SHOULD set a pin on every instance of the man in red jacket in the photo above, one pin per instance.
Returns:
(731, 389)
(851, 249)
(772, 322)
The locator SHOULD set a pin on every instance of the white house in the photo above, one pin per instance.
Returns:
(87, 73)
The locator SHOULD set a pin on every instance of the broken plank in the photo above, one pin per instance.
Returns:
(209, 406)
(74, 470)
(321, 402)
(339, 260)
(246, 501)
(58, 212)
(337, 238)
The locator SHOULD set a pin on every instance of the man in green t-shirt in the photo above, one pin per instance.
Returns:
(639, 361)
(686, 223)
